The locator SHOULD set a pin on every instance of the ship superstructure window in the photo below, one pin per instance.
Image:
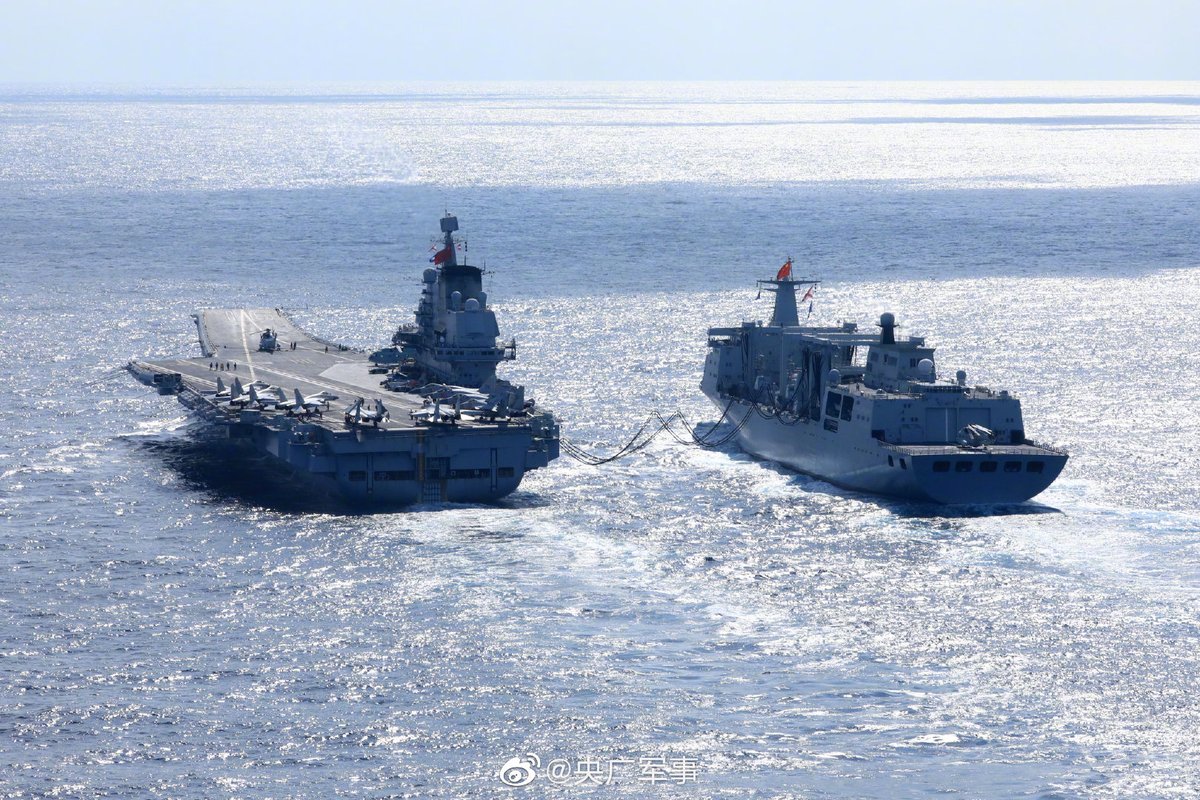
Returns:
(833, 404)
(963, 466)
(357, 475)
(941, 466)
(847, 407)
(988, 466)
(1012, 466)
(1035, 466)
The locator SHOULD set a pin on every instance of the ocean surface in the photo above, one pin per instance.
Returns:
(699, 624)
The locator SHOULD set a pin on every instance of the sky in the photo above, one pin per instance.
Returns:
(223, 42)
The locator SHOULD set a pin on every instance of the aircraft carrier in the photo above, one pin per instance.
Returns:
(321, 410)
(868, 411)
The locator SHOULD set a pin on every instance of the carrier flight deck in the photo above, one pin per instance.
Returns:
(230, 337)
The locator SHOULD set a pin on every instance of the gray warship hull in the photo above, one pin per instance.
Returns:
(398, 462)
(901, 471)
(868, 411)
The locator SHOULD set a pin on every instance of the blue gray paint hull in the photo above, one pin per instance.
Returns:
(862, 464)
(380, 469)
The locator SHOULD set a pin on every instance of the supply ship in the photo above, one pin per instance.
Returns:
(868, 411)
(270, 389)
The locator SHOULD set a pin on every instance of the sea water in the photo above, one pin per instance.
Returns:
(682, 622)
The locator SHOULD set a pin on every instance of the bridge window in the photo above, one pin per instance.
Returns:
(1035, 466)
(988, 466)
(963, 466)
(941, 466)
(847, 408)
(891, 463)
(1012, 466)
(832, 404)
(357, 475)
(505, 472)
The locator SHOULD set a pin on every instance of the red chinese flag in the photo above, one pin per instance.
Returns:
(785, 271)
(441, 255)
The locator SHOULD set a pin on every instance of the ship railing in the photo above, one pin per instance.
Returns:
(947, 449)
(1052, 448)
(505, 353)
(206, 348)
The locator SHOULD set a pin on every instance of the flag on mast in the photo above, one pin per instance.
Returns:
(785, 271)
(809, 294)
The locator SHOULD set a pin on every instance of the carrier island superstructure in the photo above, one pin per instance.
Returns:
(322, 411)
(868, 411)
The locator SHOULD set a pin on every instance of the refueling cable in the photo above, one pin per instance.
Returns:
(651, 427)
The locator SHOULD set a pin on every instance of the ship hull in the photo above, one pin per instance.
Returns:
(367, 469)
(937, 474)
